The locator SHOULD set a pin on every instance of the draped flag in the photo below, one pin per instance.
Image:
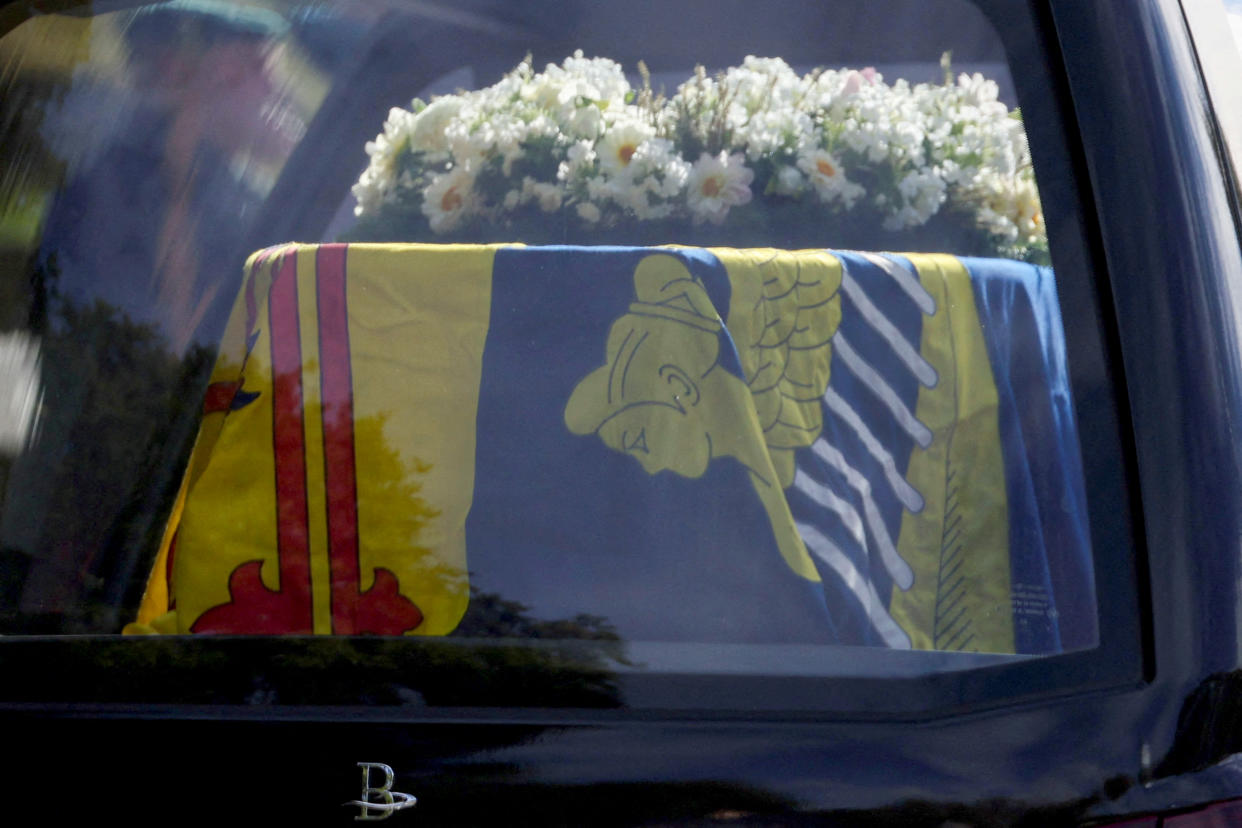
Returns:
(746, 446)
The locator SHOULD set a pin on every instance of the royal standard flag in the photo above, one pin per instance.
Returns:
(743, 446)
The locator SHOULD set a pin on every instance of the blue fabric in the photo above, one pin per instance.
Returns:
(848, 611)
(565, 525)
(1053, 576)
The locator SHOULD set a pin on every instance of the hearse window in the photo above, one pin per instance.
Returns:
(737, 347)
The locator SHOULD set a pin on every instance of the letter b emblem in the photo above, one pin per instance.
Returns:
(379, 801)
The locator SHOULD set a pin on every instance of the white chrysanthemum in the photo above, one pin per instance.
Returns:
(828, 179)
(621, 140)
(427, 128)
(449, 199)
(716, 184)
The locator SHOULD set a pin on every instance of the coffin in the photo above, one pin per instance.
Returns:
(660, 444)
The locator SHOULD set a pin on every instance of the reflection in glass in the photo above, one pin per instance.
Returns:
(548, 444)
(143, 144)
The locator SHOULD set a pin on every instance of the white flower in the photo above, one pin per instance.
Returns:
(646, 186)
(763, 85)
(393, 139)
(369, 192)
(715, 184)
(621, 140)
(449, 199)
(588, 212)
(789, 181)
(599, 188)
(855, 80)
(922, 192)
(580, 154)
(1011, 209)
(625, 192)
(578, 93)
(379, 178)
(467, 145)
(978, 90)
(586, 121)
(663, 170)
(549, 196)
(579, 162)
(427, 129)
(1028, 214)
(922, 148)
(828, 179)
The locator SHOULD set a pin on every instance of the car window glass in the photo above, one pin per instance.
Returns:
(527, 322)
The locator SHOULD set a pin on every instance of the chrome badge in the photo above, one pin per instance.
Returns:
(379, 801)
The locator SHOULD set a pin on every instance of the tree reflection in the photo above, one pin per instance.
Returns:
(493, 616)
(85, 504)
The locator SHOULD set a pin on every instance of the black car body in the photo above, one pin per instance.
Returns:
(1131, 109)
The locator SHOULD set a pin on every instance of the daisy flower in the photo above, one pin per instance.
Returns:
(449, 199)
(717, 183)
(828, 179)
(616, 149)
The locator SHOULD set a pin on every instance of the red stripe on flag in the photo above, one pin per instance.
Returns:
(340, 481)
(289, 438)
